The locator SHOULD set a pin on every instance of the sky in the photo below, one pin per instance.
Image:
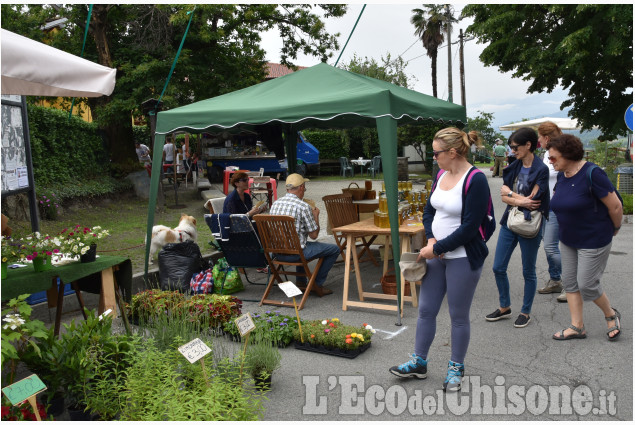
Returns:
(386, 29)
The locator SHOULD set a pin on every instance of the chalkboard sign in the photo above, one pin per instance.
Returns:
(23, 389)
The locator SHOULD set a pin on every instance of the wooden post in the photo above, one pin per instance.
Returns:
(242, 361)
(33, 403)
(298, 316)
(204, 373)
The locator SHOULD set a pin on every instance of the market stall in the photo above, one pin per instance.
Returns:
(320, 96)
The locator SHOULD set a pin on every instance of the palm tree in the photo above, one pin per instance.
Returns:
(430, 26)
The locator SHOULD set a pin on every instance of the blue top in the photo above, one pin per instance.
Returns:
(233, 204)
(538, 175)
(582, 227)
(467, 234)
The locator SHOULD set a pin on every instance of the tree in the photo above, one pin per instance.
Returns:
(482, 123)
(221, 53)
(389, 70)
(430, 27)
(587, 48)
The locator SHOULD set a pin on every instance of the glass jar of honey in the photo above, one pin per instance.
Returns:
(409, 185)
(383, 203)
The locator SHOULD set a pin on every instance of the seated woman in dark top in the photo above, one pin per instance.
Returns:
(239, 202)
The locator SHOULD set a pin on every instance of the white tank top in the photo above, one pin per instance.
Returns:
(448, 204)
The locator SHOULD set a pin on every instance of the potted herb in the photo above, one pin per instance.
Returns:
(262, 359)
(329, 336)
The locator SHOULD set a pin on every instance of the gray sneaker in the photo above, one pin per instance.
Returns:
(562, 298)
(551, 287)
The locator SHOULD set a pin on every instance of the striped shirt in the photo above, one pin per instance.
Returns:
(291, 205)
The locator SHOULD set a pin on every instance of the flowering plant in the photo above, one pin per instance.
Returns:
(212, 309)
(78, 239)
(331, 333)
(49, 206)
(12, 250)
(270, 326)
(38, 244)
(23, 412)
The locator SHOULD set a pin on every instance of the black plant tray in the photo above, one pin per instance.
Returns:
(349, 354)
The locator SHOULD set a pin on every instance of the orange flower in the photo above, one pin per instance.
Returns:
(348, 336)
(332, 325)
(349, 340)
(364, 324)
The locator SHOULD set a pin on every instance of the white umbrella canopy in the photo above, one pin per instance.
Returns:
(563, 123)
(35, 69)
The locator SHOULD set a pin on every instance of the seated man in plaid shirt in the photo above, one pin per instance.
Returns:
(307, 224)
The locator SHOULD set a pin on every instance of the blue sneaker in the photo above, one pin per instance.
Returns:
(455, 376)
(417, 367)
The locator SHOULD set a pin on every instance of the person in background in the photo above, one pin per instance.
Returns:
(589, 214)
(499, 158)
(169, 152)
(307, 224)
(143, 153)
(239, 202)
(525, 185)
(511, 155)
(455, 254)
(546, 132)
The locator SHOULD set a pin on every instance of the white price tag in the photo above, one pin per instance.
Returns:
(245, 324)
(289, 289)
(194, 350)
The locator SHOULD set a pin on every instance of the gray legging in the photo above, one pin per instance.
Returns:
(458, 280)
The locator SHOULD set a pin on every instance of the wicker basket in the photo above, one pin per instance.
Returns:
(357, 193)
(389, 284)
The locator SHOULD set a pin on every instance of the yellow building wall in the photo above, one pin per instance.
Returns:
(80, 108)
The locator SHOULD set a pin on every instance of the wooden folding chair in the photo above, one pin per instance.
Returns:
(341, 211)
(279, 237)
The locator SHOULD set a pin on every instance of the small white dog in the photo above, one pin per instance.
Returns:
(162, 235)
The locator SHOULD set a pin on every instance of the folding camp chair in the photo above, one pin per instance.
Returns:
(240, 243)
(342, 211)
(279, 237)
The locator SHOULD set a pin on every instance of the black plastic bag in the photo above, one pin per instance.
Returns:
(178, 262)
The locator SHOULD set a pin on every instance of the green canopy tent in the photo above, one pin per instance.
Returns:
(320, 96)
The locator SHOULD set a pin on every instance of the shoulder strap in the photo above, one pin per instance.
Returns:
(589, 171)
(466, 184)
(434, 184)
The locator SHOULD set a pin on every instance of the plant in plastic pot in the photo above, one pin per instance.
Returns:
(263, 358)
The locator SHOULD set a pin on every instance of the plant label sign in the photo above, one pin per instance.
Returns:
(245, 324)
(23, 389)
(289, 289)
(194, 350)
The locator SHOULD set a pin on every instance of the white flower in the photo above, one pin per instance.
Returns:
(13, 321)
(370, 328)
(324, 322)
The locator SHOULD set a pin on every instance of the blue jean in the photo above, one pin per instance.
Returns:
(311, 251)
(550, 244)
(455, 278)
(507, 241)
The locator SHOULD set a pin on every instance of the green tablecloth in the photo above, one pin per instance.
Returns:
(27, 281)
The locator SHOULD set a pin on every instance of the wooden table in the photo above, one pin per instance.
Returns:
(26, 280)
(364, 228)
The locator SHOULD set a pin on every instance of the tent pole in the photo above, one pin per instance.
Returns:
(387, 131)
(157, 157)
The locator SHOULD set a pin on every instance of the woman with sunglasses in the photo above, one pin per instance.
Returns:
(455, 254)
(239, 202)
(525, 185)
(589, 213)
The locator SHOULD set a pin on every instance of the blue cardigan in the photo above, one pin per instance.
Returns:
(233, 204)
(538, 175)
(467, 234)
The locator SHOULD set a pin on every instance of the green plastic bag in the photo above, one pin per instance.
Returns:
(232, 281)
